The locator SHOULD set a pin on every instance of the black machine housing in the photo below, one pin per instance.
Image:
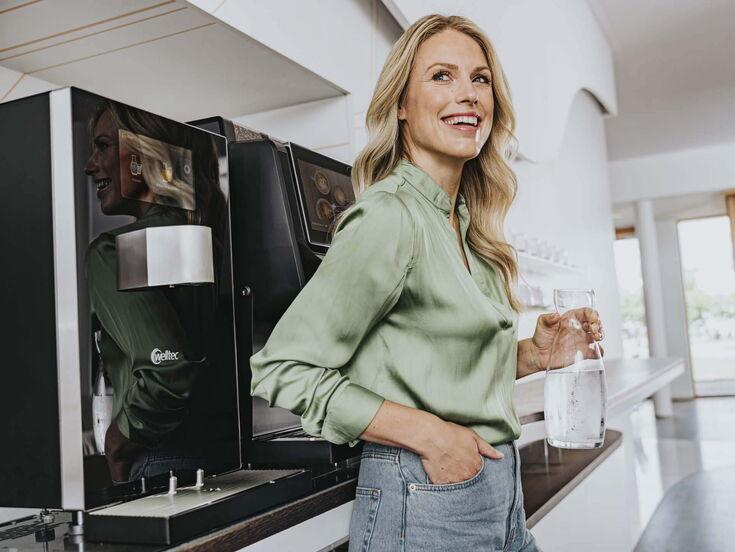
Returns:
(275, 256)
(51, 214)
(278, 243)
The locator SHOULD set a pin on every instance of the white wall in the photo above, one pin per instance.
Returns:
(323, 126)
(567, 202)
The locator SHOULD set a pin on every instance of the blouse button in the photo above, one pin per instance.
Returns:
(505, 323)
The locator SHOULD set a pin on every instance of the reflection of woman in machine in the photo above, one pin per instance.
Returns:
(406, 337)
(156, 343)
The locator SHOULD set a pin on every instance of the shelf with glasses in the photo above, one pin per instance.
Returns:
(539, 265)
(533, 309)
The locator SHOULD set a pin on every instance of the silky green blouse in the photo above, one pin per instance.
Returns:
(393, 313)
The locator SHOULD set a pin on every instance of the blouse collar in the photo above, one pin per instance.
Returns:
(427, 187)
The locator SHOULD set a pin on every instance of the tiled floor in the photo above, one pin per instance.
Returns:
(692, 457)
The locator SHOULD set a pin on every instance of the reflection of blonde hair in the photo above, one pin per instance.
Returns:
(488, 183)
(157, 159)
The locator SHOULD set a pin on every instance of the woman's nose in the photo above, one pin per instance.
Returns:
(90, 167)
(466, 93)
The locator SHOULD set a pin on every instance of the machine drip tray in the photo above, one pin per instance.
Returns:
(172, 518)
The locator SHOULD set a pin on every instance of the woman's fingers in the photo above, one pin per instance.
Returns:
(486, 449)
(591, 323)
(588, 314)
(548, 320)
(595, 334)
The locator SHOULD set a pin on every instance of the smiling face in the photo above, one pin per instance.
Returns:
(447, 110)
(103, 165)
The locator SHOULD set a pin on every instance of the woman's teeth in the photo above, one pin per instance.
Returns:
(102, 184)
(466, 120)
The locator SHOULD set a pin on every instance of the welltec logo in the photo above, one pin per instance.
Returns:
(157, 356)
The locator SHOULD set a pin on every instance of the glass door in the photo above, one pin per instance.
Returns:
(632, 303)
(709, 283)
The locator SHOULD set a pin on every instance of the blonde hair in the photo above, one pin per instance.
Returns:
(157, 159)
(488, 183)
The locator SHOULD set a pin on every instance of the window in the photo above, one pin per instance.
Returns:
(632, 304)
(709, 289)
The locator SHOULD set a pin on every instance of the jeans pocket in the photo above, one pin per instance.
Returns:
(362, 523)
(449, 486)
(415, 475)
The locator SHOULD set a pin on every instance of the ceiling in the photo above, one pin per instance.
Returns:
(677, 208)
(675, 73)
(166, 56)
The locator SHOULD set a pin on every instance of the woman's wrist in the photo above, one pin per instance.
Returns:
(428, 426)
(529, 360)
(402, 426)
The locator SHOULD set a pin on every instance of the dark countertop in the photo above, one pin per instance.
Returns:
(549, 474)
(545, 481)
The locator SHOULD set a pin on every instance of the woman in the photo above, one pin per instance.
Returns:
(406, 337)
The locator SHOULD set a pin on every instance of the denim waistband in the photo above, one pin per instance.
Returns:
(387, 451)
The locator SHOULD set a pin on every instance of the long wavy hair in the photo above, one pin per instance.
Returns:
(488, 183)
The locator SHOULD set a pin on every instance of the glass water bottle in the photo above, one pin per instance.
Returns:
(575, 392)
(101, 400)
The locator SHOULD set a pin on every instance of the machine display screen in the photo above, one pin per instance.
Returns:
(326, 191)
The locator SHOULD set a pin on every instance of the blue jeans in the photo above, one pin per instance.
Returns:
(155, 462)
(397, 509)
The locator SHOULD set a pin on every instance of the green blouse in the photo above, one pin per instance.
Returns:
(392, 313)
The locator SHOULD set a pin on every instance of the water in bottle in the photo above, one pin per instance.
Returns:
(575, 391)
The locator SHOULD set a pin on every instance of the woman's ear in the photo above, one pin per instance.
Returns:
(401, 113)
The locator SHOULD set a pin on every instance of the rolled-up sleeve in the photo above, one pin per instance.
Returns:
(302, 366)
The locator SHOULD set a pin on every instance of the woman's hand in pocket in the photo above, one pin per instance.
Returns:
(454, 453)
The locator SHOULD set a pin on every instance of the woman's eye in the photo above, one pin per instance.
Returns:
(441, 76)
(482, 78)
